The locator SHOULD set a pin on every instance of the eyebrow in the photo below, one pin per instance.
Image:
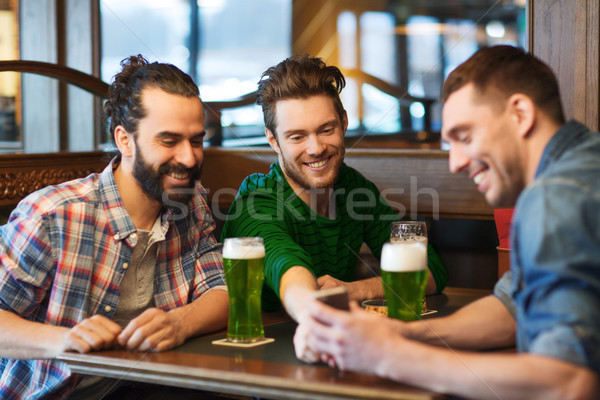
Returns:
(174, 135)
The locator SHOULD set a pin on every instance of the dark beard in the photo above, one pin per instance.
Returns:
(295, 174)
(151, 181)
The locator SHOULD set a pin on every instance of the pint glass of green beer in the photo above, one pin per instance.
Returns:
(244, 265)
(404, 277)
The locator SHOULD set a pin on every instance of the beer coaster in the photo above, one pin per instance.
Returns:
(226, 342)
(428, 312)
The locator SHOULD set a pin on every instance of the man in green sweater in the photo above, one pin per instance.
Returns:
(313, 211)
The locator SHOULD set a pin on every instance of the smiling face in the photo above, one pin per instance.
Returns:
(485, 143)
(167, 149)
(310, 141)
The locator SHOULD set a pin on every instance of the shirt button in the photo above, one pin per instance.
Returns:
(107, 308)
(133, 235)
(116, 237)
(125, 265)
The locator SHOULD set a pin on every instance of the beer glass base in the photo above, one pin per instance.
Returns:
(245, 340)
(256, 342)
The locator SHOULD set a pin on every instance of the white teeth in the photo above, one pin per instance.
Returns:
(317, 164)
(178, 175)
(479, 177)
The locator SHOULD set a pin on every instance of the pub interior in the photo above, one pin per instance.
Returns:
(395, 54)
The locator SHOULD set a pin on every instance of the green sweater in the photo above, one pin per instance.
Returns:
(294, 235)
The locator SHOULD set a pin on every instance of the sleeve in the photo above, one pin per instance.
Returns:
(378, 232)
(209, 261)
(556, 284)
(502, 291)
(261, 213)
(26, 261)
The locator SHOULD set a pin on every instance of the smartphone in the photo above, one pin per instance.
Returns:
(336, 297)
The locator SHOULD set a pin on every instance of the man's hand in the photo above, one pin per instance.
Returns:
(303, 351)
(153, 330)
(94, 333)
(356, 340)
(328, 281)
(370, 288)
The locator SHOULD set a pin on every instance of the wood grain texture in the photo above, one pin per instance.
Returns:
(566, 35)
(269, 371)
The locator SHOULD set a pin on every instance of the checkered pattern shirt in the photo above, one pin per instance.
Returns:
(64, 252)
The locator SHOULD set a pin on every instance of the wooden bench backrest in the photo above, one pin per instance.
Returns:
(414, 182)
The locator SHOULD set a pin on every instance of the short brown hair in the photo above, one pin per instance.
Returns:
(501, 71)
(298, 77)
(124, 100)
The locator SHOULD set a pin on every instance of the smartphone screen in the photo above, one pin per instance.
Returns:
(336, 297)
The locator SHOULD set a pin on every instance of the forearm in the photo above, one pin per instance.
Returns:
(296, 284)
(23, 339)
(489, 376)
(370, 288)
(206, 314)
(431, 287)
(483, 324)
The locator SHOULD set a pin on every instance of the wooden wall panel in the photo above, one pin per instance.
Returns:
(21, 174)
(566, 35)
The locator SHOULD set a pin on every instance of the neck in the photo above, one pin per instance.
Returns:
(142, 210)
(318, 199)
(542, 131)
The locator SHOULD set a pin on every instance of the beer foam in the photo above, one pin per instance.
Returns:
(242, 251)
(405, 256)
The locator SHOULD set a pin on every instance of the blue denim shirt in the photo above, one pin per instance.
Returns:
(553, 289)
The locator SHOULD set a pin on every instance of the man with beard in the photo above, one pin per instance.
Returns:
(125, 258)
(313, 211)
(504, 121)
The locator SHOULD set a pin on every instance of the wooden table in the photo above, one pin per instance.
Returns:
(269, 371)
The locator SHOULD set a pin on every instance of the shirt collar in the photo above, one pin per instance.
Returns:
(566, 137)
(111, 201)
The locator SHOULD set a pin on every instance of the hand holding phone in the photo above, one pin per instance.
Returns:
(336, 297)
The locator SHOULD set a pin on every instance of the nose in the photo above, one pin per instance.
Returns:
(457, 159)
(187, 154)
(315, 146)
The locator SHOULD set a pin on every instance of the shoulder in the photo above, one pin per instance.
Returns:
(199, 203)
(573, 177)
(561, 195)
(556, 217)
(259, 182)
(581, 162)
(53, 197)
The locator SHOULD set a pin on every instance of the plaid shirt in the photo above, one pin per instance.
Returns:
(62, 256)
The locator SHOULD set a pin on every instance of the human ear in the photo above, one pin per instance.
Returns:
(272, 141)
(523, 113)
(344, 122)
(124, 141)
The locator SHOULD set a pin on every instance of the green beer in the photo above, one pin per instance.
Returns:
(404, 277)
(244, 265)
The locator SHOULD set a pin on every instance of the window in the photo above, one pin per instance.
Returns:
(225, 45)
(395, 55)
(404, 53)
(10, 136)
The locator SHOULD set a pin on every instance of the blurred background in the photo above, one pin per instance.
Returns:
(395, 53)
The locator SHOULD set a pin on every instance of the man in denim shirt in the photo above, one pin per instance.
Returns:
(504, 120)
